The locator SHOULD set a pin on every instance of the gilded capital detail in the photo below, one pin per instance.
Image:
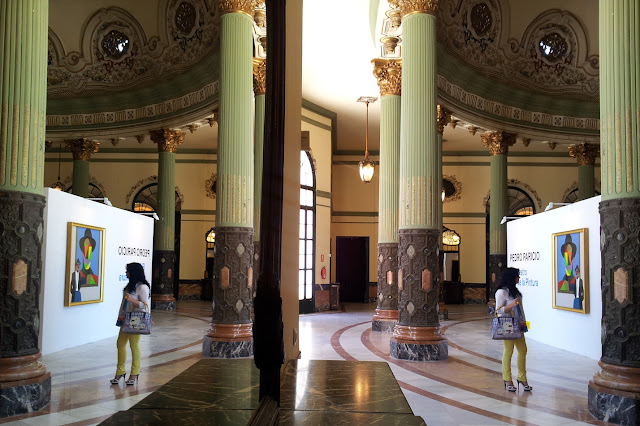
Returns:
(585, 153)
(388, 72)
(443, 118)
(498, 142)
(259, 76)
(408, 7)
(167, 139)
(240, 6)
(82, 148)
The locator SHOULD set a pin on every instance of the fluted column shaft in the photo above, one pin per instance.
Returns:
(389, 75)
(498, 144)
(614, 392)
(25, 384)
(164, 257)
(585, 154)
(417, 335)
(230, 335)
(82, 150)
(259, 88)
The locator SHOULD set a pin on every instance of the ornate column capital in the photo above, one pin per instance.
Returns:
(388, 72)
(498, 142)
(82, 148)
(443, 118)
(259, 76)
(240, 6)
(167, 139)
(408, 7)
(585, 153)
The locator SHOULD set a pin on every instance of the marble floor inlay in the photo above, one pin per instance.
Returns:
(465, 389)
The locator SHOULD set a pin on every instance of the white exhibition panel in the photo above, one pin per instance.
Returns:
(530, 248)
(69, 326)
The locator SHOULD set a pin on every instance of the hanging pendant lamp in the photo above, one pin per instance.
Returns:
(366, 166)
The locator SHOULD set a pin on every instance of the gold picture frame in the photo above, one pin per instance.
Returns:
(84, 278)
(570, 283)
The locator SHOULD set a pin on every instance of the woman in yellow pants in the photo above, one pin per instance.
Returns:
(135, 297)
(509, 303)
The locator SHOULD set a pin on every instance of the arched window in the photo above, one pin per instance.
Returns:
(94, 191)
(307, 233)
(572, 196)
(146, 200)
(519, 203)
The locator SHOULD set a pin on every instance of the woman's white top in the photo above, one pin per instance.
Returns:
(504, 298)
(141, 294)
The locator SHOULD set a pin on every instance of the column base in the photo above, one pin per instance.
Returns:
(228, 341)
(614, 394)
(25, 385)
(418, 344)
(163, 302)
(384, 320)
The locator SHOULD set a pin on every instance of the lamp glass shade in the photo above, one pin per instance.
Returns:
(366, 168)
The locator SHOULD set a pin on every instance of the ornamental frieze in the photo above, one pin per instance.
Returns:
(513, 113)
(389, 75)
(550, 58)
(585, 153)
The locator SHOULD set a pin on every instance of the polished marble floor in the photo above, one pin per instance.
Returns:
(466, 389)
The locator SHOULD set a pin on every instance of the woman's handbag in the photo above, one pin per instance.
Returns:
(505, 328)
(137, 322)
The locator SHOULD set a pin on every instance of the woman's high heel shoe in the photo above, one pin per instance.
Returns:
(525, 385)
(132, 380)
(116, 380)
(509, 386)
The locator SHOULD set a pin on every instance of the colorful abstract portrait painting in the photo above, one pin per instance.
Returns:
(571, 271)
(85, 265)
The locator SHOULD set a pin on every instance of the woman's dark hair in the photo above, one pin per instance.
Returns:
(508, 281)
(136, 275)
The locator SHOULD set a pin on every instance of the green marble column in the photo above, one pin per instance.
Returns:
(259, 88)
(230, 335)
(82, 149)
(25, 384)
(389, 76)
(163, 267)
(614, 392)
(417, 336)
(498, 144)
(585, 154)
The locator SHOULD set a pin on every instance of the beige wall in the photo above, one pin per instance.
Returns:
(543, 178)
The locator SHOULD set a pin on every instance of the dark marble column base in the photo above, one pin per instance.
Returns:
(497, 262)
(436, 351)
(163, 302)
(384, 326)
(25, 396)
(611, 408)
(213, 348)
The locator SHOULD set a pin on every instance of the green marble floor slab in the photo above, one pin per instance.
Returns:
(179, 417)
(222, 384)
(314, 418)
(356, 386)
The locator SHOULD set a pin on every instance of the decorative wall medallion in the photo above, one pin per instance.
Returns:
(553, 47)
(411, 308)
(224, 278)
(115, 44)
(185, 17)
(211, 186)
(621, 285)
(426, 280)
(481, 19)
(452, 188)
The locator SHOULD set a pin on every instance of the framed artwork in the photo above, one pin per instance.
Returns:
(84, 279)
(571, 271)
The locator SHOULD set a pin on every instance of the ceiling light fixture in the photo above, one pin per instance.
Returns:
(366, 166)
